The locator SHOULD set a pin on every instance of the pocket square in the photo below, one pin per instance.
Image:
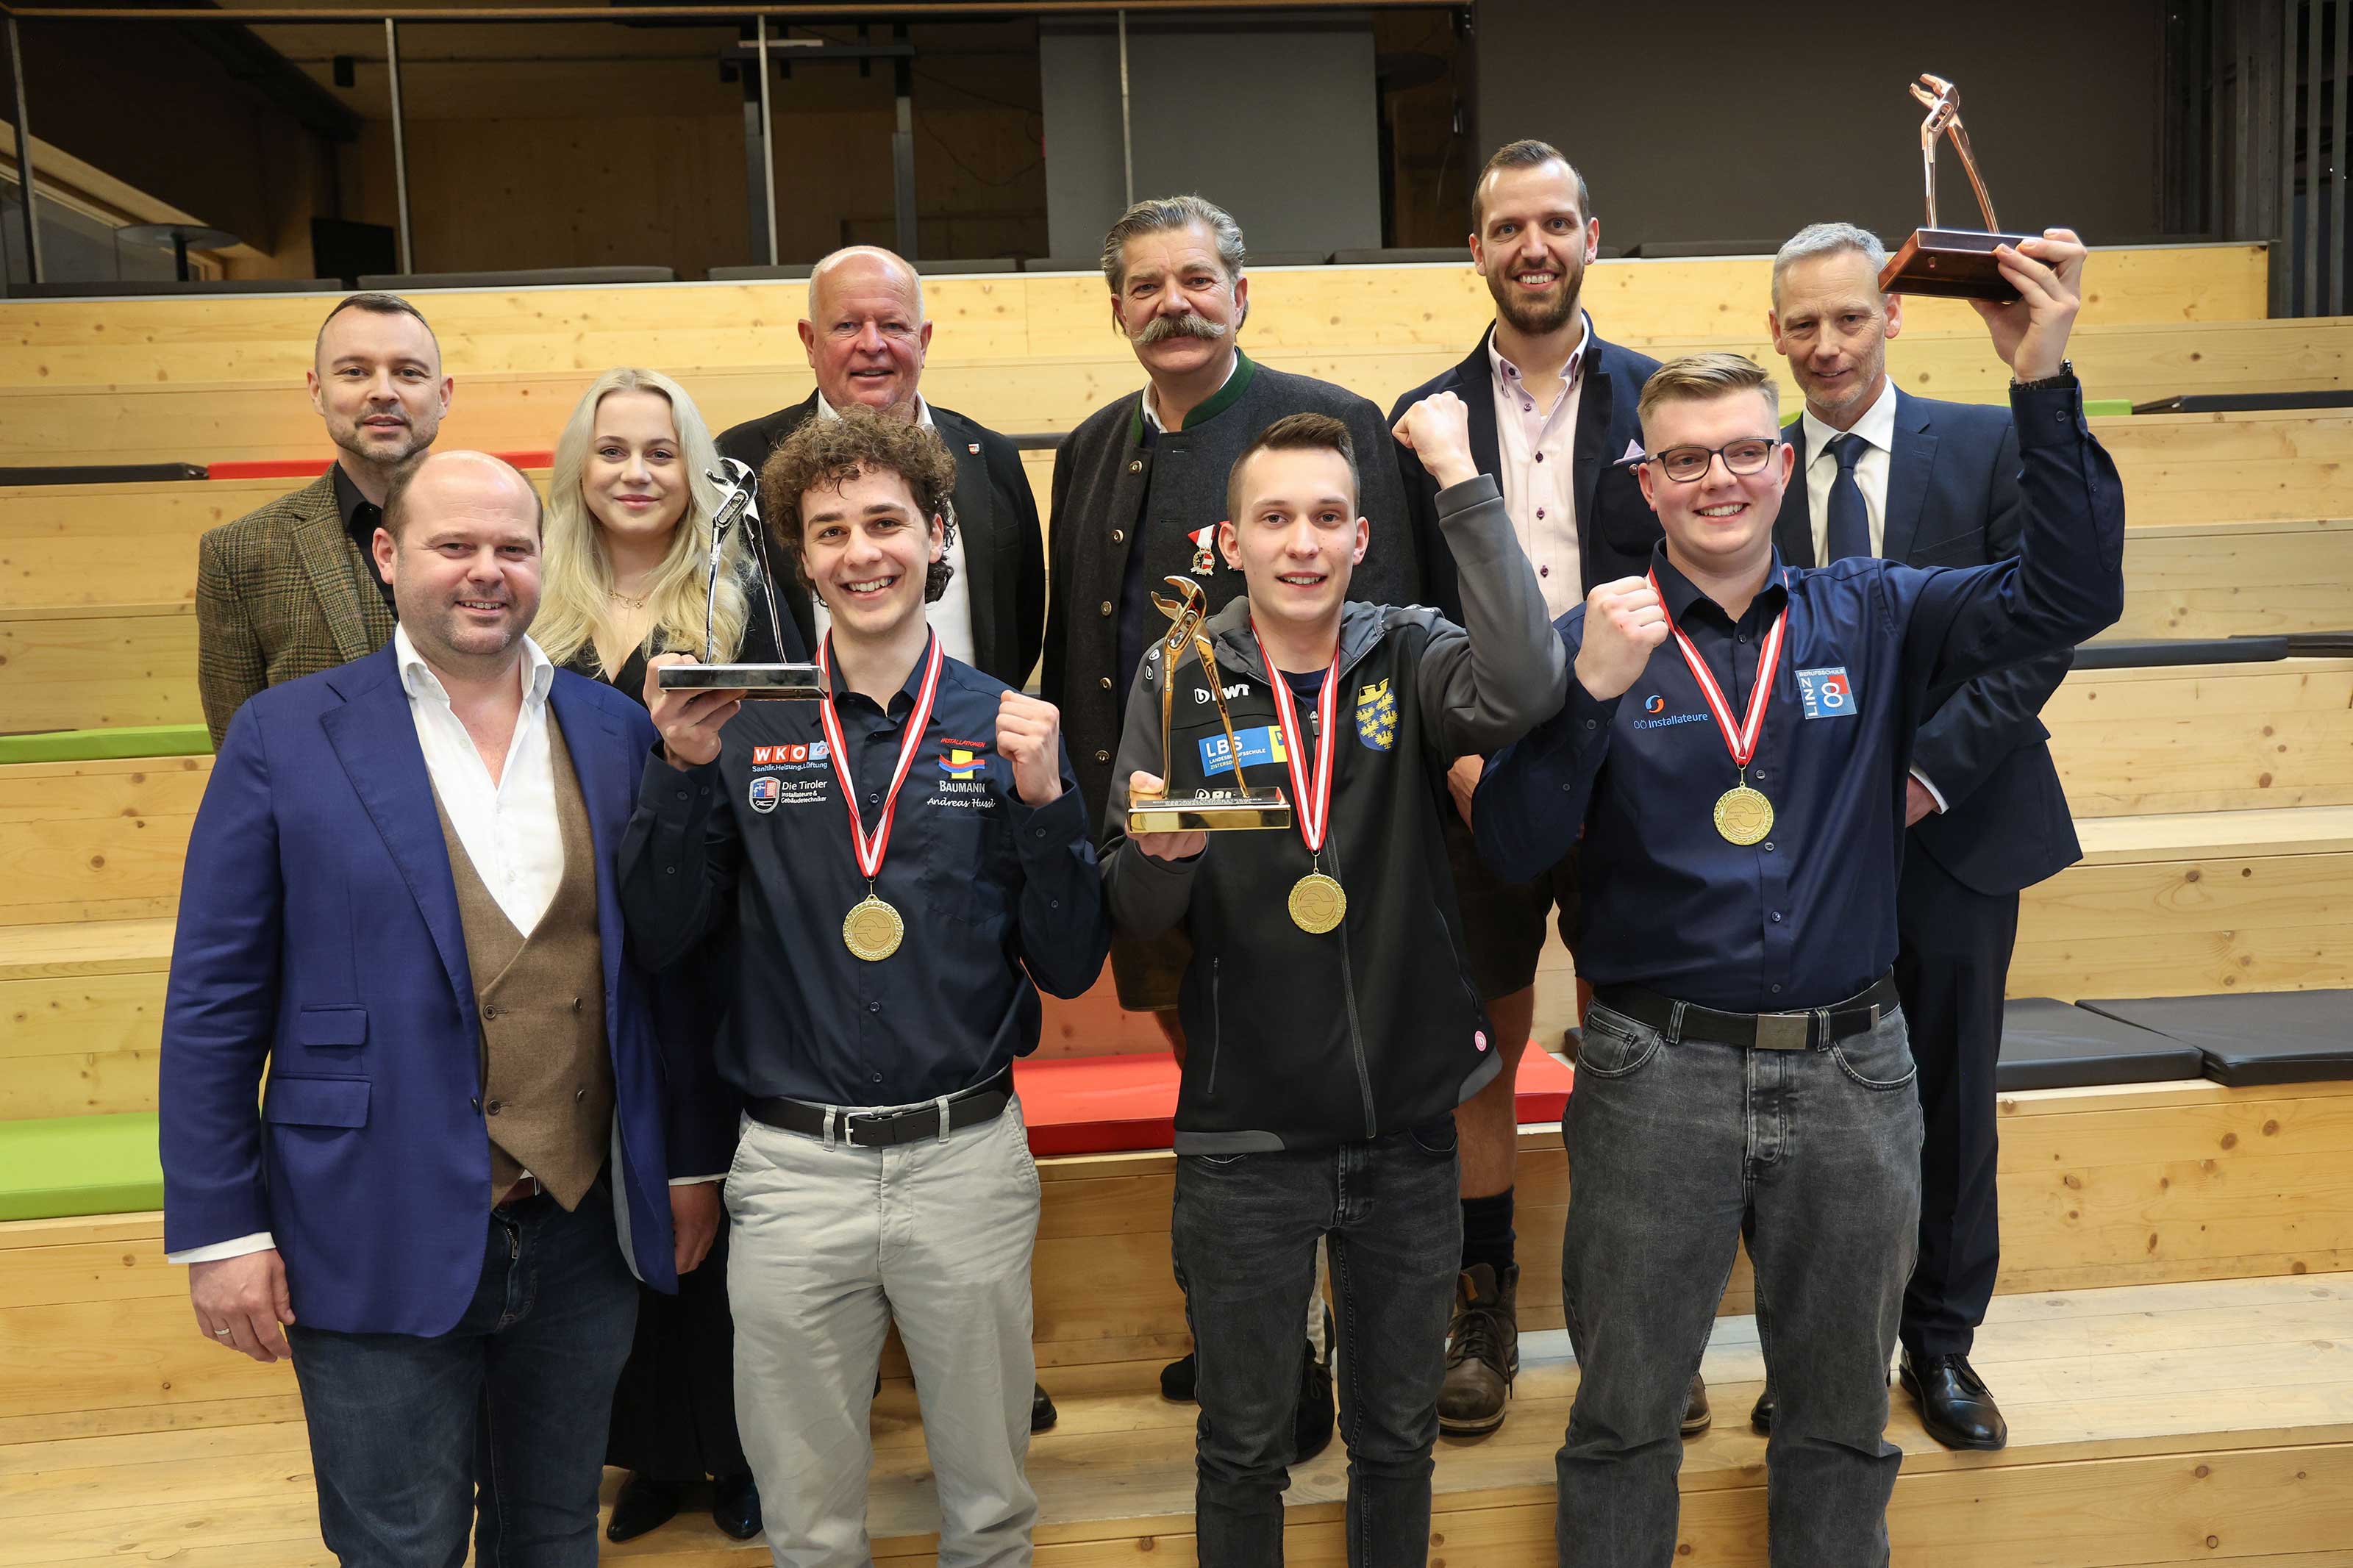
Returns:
(1633, 454)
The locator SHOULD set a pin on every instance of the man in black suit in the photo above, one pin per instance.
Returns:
(1931, 484)
(866, 337)
(1552, 417)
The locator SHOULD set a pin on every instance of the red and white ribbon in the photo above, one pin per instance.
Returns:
(1739, 739)
(1315, 814)
(871, 850)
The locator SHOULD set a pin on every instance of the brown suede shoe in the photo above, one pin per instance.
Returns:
(1697, 1417)
(1482, 1352)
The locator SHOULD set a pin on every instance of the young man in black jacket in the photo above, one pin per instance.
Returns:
(1332, 1022)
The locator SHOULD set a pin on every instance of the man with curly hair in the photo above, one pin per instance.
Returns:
(904, 865)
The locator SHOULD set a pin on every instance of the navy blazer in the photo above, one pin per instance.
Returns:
(1952, 500)
(1615, 526)
(319, 932)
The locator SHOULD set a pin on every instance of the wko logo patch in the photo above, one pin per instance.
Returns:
(1827, 692)
(812, 754)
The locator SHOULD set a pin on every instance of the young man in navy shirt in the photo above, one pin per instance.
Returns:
(904, 865)
(1736, 749)
(1332, 1024)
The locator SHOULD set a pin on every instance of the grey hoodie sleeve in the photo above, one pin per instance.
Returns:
(1146, 896)
(1487, 682)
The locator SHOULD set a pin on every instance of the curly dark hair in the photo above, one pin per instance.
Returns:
(825, 453)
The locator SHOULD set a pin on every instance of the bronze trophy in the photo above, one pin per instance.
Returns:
(1214, 810)
(739, 506)
(1956, 263)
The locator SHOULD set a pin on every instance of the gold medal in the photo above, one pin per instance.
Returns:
(1317, 903)
(1742, 815)
(872, 929)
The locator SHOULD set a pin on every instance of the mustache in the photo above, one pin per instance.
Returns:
(1160, 329)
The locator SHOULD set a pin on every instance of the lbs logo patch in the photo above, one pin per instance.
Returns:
(1827, 693)
(1376, 716)
(767, 790)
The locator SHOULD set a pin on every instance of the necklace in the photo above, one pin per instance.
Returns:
(635, 602)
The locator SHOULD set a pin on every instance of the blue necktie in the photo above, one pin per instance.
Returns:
(1850, 523)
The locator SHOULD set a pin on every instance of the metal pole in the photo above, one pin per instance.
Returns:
(1126, 129)
(903, 148)
(767, 147)
(2344, 145)
(23, 152)
(399, 144)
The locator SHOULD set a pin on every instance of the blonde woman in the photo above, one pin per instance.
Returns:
(628, 552)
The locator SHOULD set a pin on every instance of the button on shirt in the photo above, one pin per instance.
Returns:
(1538, 448)
(1806, 916)
(1876, 429)
(951, 613)
(992, 893)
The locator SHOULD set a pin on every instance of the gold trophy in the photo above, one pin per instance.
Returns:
(1213, 810)
(1956, 263)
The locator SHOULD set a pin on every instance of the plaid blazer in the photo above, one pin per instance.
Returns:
(281, 593)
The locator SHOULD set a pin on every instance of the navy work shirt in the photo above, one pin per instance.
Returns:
(1806, 916)
(994, 895)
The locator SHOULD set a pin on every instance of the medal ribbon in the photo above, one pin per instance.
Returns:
(1740, 742)
(1315, 803)
(870, 851)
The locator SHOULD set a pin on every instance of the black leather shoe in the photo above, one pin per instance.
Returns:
(736, 1507)
(1954, 1405)
(1697, 1417)
(644, 1504)
(1179, 1379)
(1312, 1422)
(1760, 1415)
(1042, 1413)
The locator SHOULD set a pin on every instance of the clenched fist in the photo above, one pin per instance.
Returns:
(1438, 431)
(1623, 621)
(1030, 732)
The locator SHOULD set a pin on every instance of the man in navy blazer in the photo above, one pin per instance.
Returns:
(400, 896)
(1552, 417)
(1931, 484)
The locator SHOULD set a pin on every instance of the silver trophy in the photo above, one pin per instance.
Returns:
(739, 507)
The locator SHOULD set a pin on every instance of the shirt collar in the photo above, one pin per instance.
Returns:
(1217, 402)
(922, 410)
(911, 689)
(416, 677)
(1679, 594)
(1877, 426)
(1507, 375)
(348, 500)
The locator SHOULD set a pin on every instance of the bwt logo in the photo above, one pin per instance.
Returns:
(1201, 693)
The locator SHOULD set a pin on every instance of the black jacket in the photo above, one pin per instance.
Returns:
(1003, 547)
(1300, 1041)
(1953, 500)
(1615, 526)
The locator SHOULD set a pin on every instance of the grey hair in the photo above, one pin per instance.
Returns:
(1825, 239)
(833, 259)
(1158, 215)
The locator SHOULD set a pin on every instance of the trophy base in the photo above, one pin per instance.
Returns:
(1210, 811)
(1952, 263)
(757, 682)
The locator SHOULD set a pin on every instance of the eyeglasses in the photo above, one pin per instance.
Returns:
(1686, 465)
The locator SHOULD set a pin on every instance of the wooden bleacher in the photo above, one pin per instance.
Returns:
(2177, 1293)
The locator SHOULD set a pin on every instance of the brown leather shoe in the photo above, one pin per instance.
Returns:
(1697, 1419)
(1482, 1352)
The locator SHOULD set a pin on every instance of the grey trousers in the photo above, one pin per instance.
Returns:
(832, 1245)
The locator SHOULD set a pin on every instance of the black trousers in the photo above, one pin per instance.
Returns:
(674, 1411)
(1951, 969)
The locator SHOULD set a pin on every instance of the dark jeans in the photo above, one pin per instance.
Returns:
(527, 1373)
(1677, 1151)
(1245, 1232)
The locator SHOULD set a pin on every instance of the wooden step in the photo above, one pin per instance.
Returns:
(2150, 1183)
(2153, 1425)
(82, 1007)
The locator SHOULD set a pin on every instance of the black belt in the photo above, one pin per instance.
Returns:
(1810, 1030)
(880, 1129)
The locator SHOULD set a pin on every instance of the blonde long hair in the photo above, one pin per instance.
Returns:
(576, 595)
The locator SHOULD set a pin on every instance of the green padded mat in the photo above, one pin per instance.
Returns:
(96, 745)
(60, 1166)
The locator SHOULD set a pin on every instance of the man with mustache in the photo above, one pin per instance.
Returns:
(1139, 492)
(289, 589)
(1552, 413)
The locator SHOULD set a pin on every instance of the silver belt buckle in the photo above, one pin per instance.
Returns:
(1783, 1031)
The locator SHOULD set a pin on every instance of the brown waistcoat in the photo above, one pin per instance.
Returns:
(547, 1077)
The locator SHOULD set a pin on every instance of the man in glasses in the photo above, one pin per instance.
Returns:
(1931, 484)
(1737, 738)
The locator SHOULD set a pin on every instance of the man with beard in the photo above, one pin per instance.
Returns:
(1552, 417)
(289, 589)
(1139, 492)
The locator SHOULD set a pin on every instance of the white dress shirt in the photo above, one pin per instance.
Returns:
(1876, 428)
(951, 613)
(1538, 448)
